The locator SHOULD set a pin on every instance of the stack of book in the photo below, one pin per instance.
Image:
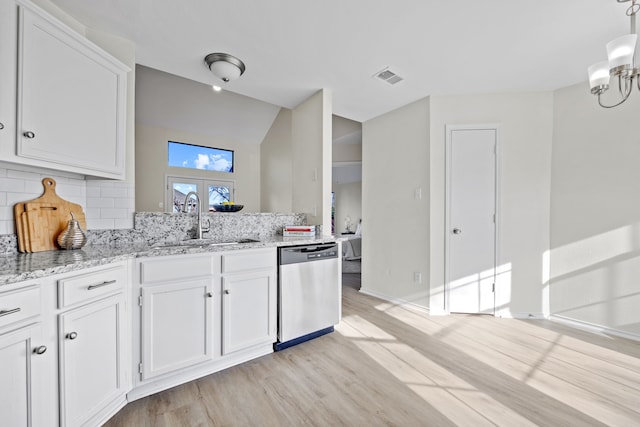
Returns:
(299, 231)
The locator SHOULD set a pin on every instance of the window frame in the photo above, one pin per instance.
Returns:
(205, 147)
(202, 185)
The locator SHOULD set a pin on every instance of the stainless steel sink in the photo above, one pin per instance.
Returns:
(203, 243)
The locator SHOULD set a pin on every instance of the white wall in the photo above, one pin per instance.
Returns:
(171, 108)
(525, 123)
(276, 165)
(595, 211)
(395, 244)
(405, 149)
(152, 168)
(311, 156)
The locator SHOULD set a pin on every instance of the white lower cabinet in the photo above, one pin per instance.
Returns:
(201, 313)
(91, 359)
(17, 376)
(27, 359)
(176, 319)
(248, 310)
(249, 293)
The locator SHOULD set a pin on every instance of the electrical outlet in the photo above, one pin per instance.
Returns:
(417, 277)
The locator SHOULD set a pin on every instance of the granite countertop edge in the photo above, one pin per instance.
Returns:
(22, 267)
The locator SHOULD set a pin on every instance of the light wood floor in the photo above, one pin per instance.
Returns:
(391, 366)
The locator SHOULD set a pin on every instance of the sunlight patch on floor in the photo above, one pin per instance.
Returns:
(533, 359)
(458, 400)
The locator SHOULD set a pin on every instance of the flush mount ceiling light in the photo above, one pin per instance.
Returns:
(621, 62)
(224, 66)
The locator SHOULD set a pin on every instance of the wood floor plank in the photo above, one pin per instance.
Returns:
(388, 365)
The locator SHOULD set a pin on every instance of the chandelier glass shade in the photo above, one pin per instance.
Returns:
(620, 64)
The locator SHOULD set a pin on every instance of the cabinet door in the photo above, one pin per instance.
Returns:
(176, 326)
(16, 376)
(71, 99)
(8, 43)
(248, 310)
(91, 359)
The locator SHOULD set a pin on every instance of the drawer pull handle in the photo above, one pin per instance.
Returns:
(209, 295)
(8, 312)
(40, 350)
(99, 285)
(72, 335)
(227, 291)
(29, 135)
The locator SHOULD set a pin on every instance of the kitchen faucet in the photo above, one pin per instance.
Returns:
(184, 209)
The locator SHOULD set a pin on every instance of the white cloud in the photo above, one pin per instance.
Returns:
(202, 162)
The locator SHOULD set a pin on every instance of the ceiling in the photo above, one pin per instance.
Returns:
(292, 48)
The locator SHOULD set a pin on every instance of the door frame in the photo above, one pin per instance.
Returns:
(447, 208)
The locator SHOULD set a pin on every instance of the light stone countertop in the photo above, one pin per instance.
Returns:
(20, 267)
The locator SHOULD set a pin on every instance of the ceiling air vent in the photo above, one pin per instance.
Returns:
(388, 76)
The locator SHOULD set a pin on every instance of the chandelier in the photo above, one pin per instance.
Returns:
(621, 63)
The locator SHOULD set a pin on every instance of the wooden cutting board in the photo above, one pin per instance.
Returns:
(40, 221)
(21, 227)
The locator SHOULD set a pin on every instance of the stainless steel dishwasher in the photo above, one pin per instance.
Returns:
(309, 292)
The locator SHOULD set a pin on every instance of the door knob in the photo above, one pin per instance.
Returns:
(72, 335)
(457, 231)
(29, 135)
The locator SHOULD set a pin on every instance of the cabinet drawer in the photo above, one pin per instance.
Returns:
(85, 287)
(19, 305)
(258, 259)
(166, 269)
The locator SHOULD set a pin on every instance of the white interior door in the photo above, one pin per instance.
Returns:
(471, 227)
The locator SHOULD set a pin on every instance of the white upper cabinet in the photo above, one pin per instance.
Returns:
(71, 97)
(8, 54)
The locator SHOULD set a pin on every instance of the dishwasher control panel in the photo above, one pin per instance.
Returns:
(308, 253)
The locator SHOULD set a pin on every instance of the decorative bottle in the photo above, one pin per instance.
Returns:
(72, 237)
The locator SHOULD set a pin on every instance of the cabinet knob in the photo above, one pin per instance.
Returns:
(72, 335)
(29, 135)
(227, 291)
(1, 126)
(209, 295)
(40, 350)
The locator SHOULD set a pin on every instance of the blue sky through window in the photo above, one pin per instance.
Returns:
(197, 157)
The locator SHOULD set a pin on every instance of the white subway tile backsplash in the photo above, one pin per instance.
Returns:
(92, 212)
(96, 202)
(101, 224)
(107, 204)
(113, 213)
(6, 227)
(12, 184)
(114, 192)
(24, 174)
(124, 204)
(6, 213)
(124, 223)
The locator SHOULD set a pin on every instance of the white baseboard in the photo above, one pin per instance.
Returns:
(397, 301)
(591, 327)
(510, 315)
